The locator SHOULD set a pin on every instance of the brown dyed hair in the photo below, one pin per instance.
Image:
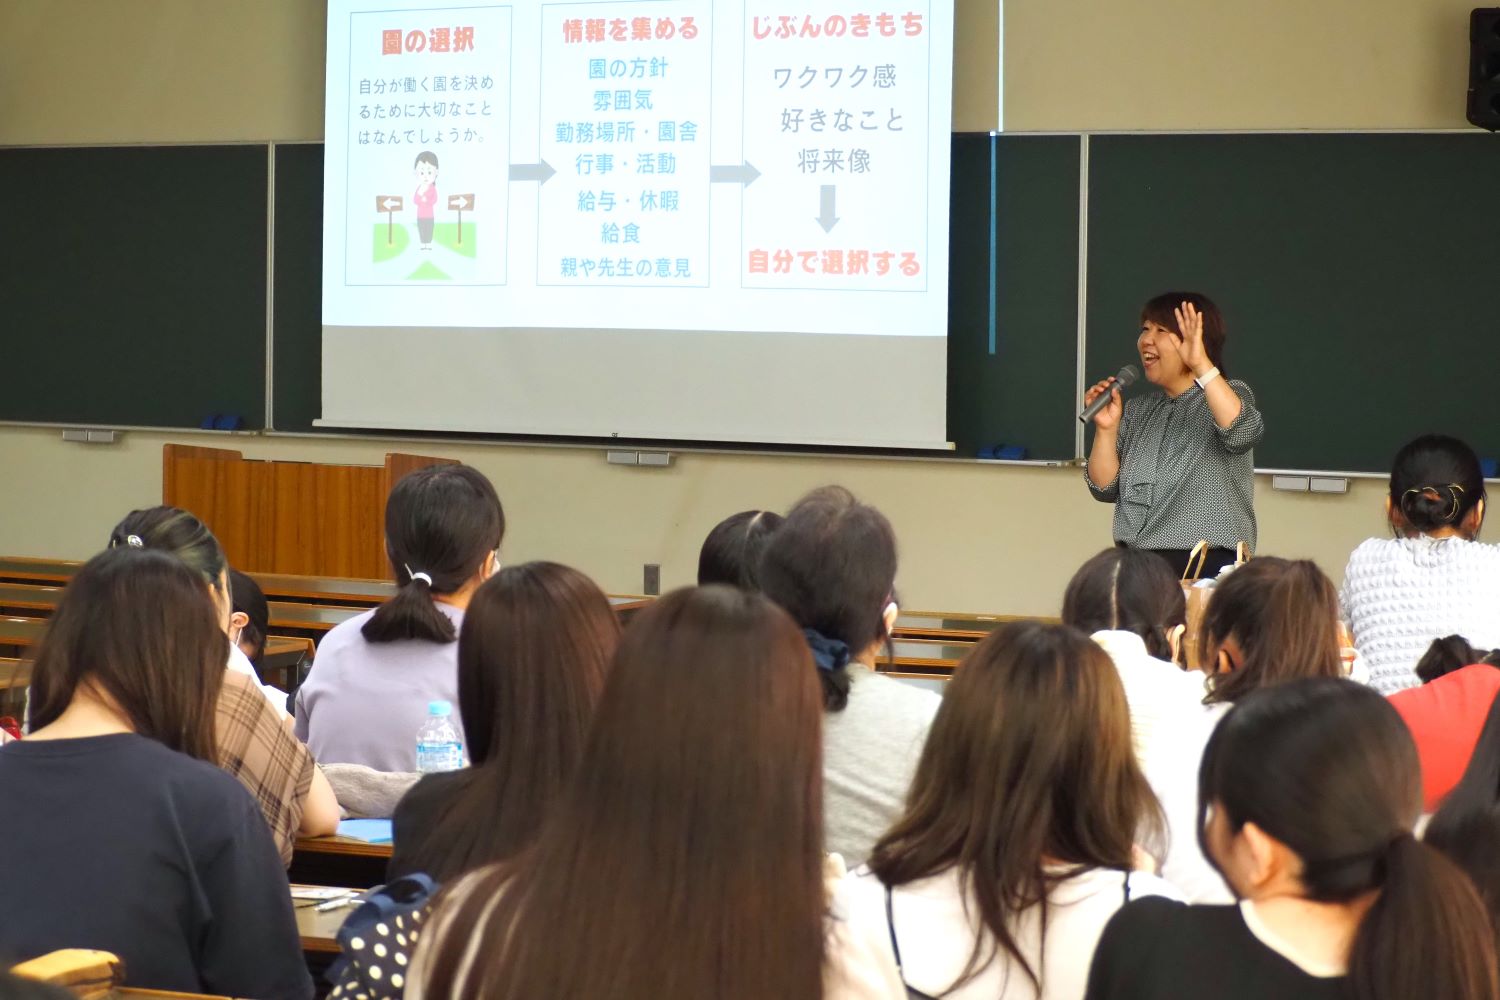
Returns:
(532, 657)
(685, 861)
(1284, 615)
(1029, 761)
(1159, 310)
(140, 626)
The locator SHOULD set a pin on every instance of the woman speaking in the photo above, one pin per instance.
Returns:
(1177, 463)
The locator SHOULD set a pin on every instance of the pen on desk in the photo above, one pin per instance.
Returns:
(352, 899)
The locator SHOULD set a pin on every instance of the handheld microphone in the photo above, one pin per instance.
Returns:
(1123, 378)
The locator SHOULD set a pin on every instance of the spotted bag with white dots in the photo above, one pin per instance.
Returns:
(379, 939)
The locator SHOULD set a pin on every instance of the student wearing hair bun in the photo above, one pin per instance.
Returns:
(369, 688)
(1434, 577)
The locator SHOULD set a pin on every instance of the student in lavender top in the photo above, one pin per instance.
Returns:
(1433, 577)
(832, 566)
(121, 832)
(369, 688)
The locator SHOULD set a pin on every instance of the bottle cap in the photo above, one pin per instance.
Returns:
(440, 708)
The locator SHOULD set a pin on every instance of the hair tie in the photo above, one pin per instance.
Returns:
(828, 654)
(1455, 490)
(419, 575)
(134, 541)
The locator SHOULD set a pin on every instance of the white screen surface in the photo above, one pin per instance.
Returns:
(680, 219)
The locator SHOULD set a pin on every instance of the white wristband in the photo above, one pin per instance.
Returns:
(1208, 377)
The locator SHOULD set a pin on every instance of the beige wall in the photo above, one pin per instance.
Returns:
(974, 537)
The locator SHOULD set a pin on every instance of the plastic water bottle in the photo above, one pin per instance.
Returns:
(438, 745)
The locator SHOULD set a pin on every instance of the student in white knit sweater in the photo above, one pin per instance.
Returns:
(1433, 578)
(832, 566)
(1129, 600)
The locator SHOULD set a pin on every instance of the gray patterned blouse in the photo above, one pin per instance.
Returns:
(1183, 478)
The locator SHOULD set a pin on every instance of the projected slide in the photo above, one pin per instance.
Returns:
(684, 165)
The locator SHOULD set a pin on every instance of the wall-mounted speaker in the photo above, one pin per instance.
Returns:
(1484, 67)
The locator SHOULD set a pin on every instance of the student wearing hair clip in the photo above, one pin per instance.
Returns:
(832, 566)
(1434, 577)
(368, 691)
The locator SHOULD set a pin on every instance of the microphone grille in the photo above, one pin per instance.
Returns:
(1128, 375)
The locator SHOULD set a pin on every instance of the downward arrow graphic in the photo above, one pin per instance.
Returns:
(826, 218)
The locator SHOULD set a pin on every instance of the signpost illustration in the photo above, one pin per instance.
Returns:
(459, 203)
(390, 204)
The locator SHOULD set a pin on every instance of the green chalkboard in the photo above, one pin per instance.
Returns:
(135, 284)
(1358, 274)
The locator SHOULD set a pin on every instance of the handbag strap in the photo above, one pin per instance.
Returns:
(1199, 554)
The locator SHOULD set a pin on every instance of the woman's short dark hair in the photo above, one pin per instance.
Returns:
(1327, 767)
(732, 551)
(250, 601)
(1127, 590)
(443, 522)
(1450, 653)
(832, 566)
(1284, 616)
(139, 625)
(425, 156)
(1436, 482)
(1160, 310)
(176, 532)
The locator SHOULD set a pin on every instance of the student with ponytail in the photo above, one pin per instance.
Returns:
(832, 566)
(1433, 577)
(368, 691)
(1307, 796)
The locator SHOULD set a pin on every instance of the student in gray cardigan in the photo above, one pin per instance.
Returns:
(832, 566)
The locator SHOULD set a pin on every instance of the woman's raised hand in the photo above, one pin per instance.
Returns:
(1190, 345)
(1109, 417)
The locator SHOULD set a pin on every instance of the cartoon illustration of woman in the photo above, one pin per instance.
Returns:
(426, 197)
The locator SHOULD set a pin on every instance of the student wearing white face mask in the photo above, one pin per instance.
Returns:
(367, 694)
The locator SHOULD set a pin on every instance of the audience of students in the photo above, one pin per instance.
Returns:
(375, 674)
(731, 553)
(533, 654)
(832, 566)
(1024, 827)
(686, 859)
(254, 739)
(1433, 578)
(1309, 791)
(120, 832)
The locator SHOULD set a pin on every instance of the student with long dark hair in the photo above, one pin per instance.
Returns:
(253, 733)
(375, 674)
(532, 657)
(732, 551)
(121, 833)
(832, 566)
(685, 861)
(1466, 827)
(1177, 463)
(1433, 577)
(1132, 604)
(1308, 794)
(1270, 621)
(1019, 842)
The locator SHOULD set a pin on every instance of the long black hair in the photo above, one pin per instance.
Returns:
(732, 551)
(1327, 767)
(832, 566)
(1128, 590)
(441, 524)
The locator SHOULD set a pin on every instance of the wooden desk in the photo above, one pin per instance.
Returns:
(952, 625)
(319, 930)
(925, 656)
(24, 570)
(341, 861)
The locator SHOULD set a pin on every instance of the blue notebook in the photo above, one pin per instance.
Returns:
(371, 831)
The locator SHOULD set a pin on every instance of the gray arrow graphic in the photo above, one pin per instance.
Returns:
(539, 172)
(826, 218)
(733, 173)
